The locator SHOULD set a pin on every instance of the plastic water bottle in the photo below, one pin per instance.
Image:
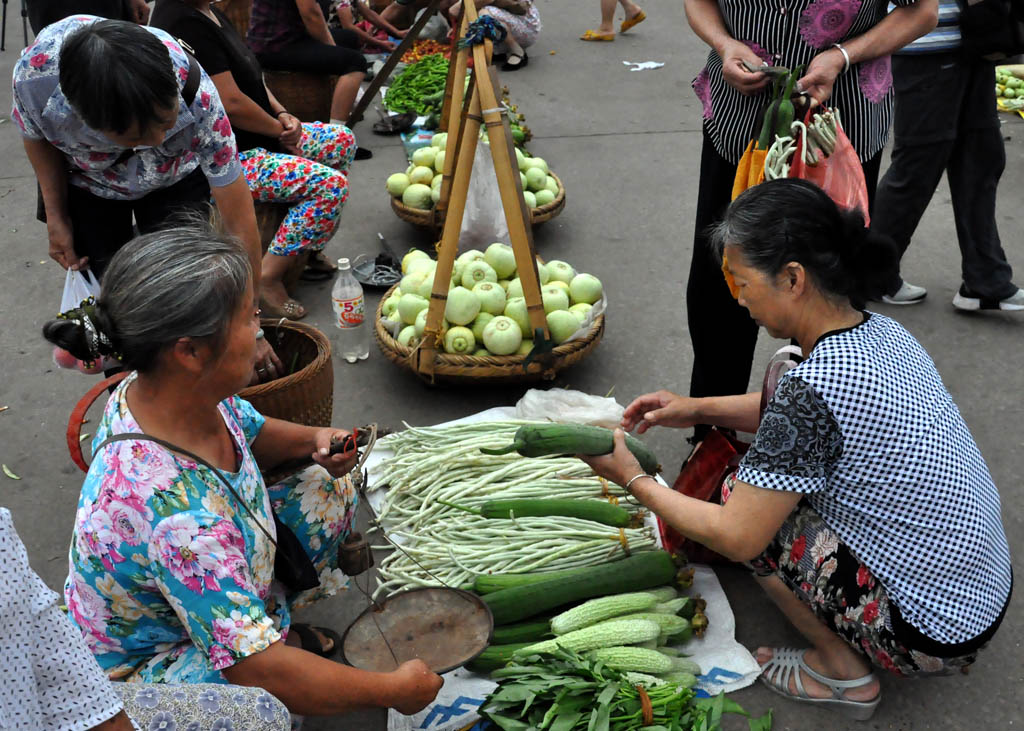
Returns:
(351, 342)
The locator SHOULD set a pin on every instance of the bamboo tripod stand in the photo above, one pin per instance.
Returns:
(465, 110)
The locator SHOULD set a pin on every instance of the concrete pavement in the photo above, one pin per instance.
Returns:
(627, 145)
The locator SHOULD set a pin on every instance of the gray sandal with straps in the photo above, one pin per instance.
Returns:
(787, 663)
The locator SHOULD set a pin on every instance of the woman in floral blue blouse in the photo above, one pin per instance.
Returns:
(171, 577)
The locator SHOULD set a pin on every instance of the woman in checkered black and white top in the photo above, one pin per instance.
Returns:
(863, 504)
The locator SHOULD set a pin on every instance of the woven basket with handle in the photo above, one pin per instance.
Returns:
(488, 369)
(306, 394)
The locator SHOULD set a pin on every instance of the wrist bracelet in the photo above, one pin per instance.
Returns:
(631, 480)
(846, 56)
(285, 111)
(260, 334)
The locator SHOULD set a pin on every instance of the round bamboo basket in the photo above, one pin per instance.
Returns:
(434, 219)
(487, 369)
(305, 396)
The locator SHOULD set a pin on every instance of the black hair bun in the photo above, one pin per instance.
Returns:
(68, 335)
(870, 259)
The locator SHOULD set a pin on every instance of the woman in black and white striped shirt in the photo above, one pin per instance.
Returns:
(846, 46)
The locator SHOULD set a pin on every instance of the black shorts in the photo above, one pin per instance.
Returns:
(313, 57)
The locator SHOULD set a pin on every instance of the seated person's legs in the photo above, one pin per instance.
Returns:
(204, 705)
(313, 57)
(402, 13)
(317, 193)
(839, 606)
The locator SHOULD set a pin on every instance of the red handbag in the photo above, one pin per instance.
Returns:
(713, 460)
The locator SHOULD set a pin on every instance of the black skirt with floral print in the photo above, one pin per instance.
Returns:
(841, 591)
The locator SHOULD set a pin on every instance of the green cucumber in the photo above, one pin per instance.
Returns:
(494, 657)
(541, 440)
(640, 571)
(531, 631)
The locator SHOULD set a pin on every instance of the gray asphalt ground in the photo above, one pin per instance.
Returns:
(627, 145)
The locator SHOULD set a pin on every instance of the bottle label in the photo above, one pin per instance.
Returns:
(350, 312)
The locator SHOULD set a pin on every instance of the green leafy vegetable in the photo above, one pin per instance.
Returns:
(565, 691)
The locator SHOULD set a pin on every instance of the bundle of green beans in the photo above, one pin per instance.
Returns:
(411, 90)
(434, 470)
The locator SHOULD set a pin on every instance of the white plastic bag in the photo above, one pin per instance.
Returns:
(569, 407)
(78, 286)
(484, 220)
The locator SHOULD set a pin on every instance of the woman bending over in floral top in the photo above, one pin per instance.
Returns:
(171, 578)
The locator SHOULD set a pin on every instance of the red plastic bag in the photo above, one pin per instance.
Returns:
(707, 467)
(840, 174)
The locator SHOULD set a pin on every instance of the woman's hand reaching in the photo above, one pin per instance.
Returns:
(338, 465)
(661, 408)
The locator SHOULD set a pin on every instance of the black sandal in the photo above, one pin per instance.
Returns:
(318, 269)
(362, 153)
(522, 63)
(311, 643)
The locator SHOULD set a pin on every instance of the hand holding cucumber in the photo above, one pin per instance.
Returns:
(619, 466)
(661, 408)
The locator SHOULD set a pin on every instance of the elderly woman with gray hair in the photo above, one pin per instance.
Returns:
(176, 570)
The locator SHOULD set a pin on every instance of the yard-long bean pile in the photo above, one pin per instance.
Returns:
(444, 544)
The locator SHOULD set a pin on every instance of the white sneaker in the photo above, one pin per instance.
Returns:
(966, 300)
(907, 294)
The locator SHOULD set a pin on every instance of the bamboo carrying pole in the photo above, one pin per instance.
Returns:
(479, 106)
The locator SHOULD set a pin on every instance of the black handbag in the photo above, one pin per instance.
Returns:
(292, 565)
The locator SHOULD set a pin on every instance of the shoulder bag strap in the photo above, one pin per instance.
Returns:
(196, 458)
(188, 92)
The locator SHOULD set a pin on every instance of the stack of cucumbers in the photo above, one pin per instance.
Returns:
(630, 618)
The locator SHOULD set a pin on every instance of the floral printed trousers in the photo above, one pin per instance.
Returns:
(841, 591)
(315, 183)
(202, 707)
(319, 510)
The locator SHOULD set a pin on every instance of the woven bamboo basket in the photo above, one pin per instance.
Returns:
(434, 219)
(305, 396)
(488, 369)
(307, 96)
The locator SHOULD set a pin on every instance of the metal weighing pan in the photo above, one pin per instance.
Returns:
(446, 628)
